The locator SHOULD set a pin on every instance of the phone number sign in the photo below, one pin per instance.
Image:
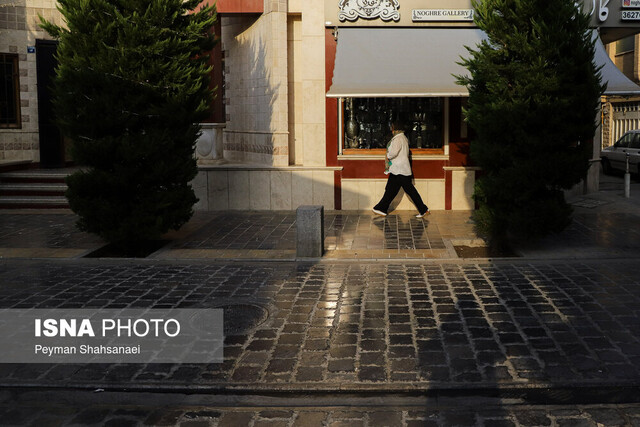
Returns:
(631, 15)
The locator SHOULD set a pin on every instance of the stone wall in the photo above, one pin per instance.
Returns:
(19, 28)
(237, 187)
(363, 194)
(313, 83)
(256, 87)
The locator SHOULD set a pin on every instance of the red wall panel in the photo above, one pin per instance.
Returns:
(422, 169)
(237, 6)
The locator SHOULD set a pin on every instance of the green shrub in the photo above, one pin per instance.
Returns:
(534, 94)
(132, 85)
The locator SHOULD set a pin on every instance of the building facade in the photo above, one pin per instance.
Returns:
(310, 88)
(622, 113)
(286, 143)
(19, 109)
(305, 94)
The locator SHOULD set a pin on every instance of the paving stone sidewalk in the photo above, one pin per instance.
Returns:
(595, 233)
(251, 235)
(360, 326)
(606, 225)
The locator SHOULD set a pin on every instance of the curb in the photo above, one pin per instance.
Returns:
(567, 393)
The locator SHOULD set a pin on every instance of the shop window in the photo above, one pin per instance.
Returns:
(9, 91)
(366, 123)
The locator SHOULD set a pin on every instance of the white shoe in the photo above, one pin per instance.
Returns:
(376, 211)
(420, 215)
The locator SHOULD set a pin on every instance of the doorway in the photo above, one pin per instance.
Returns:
(52, 153)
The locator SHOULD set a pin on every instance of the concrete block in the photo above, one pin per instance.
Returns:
(310, 231)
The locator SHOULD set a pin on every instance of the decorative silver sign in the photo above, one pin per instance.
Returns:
(351, 10)
(601, 8)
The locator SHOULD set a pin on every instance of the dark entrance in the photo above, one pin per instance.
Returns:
(51, 142)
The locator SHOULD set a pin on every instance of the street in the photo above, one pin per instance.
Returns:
(413, 337)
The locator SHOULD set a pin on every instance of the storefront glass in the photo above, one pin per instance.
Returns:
(367, 122)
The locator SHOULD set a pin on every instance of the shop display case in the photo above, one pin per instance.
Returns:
(367, 122)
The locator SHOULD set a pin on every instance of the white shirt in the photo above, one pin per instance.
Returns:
(398, 153)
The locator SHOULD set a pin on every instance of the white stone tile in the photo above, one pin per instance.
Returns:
(323, 189)
(199, 185)
(301, 188)
(314, 145)
(312, 18)
(281, 190)
(239, 190)
(462, 190)
(366, 197)
(422, 185)
(218, 190)
(314, 101)
(259, 190)
(350, 194)
(436, 195)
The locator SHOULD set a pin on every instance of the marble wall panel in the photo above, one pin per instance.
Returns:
(218, 190)
(301, 188)
(260, 190)
(239, 190)
(281, 190)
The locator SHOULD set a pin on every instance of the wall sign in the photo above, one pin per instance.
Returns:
(631, 15)
(604, 14)
(351, 10)
(426, 15)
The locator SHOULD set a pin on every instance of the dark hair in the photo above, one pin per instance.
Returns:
(398, 124)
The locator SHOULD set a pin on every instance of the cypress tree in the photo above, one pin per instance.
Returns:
(132, 85)
(534, 92)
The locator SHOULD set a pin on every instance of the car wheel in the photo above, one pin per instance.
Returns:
(606, 166)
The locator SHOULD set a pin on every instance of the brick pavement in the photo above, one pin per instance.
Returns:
(357, 326)
(595, 233)
(604, 226)
(397, 326)
(43, 234)
(351, 235)
(251, 235)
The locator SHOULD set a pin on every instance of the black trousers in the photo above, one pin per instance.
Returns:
(394, 183)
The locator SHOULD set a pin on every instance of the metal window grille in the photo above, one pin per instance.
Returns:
(626, 117)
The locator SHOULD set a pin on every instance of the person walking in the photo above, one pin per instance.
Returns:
(398, 168)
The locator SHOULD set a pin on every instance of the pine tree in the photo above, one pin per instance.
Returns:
(132, 83)
(534, 92)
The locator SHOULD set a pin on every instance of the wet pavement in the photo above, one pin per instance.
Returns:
(360, 328)
(252, 235)
(605, 225)
(390, 327)
(131, 409)
(356, 326)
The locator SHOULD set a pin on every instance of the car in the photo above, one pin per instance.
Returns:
(614, 158)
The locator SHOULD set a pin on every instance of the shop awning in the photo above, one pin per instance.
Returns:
(390, 62)
(617, 82)
(385, 62)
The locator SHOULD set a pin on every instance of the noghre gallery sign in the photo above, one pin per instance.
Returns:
(604, 13)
